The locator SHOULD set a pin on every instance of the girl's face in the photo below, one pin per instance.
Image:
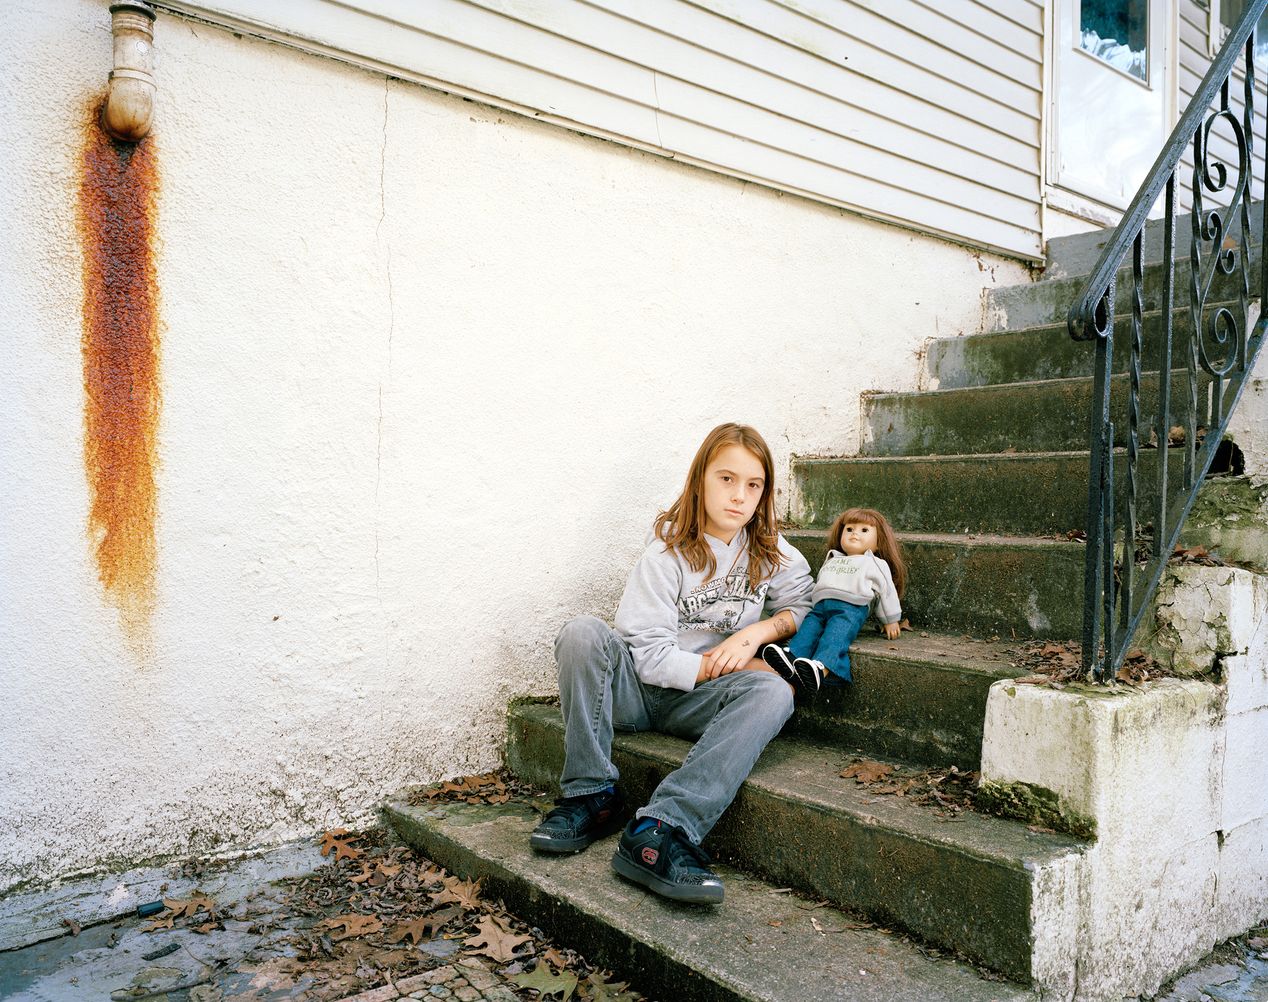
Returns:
(733, 485)
(857, 537)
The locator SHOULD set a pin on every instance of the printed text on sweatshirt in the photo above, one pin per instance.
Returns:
(669, 614)
(859, 580)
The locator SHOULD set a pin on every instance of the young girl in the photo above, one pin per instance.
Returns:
(682, 659)
(864, 565)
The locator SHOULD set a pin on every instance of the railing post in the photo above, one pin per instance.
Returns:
(1095, 579)
(1162, 428)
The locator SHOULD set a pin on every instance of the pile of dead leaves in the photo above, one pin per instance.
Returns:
(1052, 663)
(486, 788)
(948, 791)
(1058, 664)
(368, 916)
(1195, 555)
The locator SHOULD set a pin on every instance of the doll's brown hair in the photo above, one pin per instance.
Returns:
(681, 526)
(887, 546)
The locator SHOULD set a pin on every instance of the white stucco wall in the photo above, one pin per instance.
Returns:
(428, 370)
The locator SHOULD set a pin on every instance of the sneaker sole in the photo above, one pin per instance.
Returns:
(779, 662)
(695, 894)
(561, 846)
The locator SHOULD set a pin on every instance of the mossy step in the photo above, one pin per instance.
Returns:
(1049, 415)
(1047, 352)
(760, 944)
(921, 698)
(1013, 493)
(970, 887)
(984, 585)
(1049, 302)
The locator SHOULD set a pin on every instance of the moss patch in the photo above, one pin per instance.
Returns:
(1034, 805)
(1230, 501)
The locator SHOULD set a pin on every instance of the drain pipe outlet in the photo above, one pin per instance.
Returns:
(129, 107)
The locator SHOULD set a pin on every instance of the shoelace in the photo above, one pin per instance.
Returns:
(676, 850)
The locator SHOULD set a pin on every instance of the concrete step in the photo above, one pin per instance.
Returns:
(1015, 493)
(760, 944)
(973, 886)
(1046, 352)
(1048, 302)
(921, 698)
(1078, 253)
(984, 585)
(1049, 415)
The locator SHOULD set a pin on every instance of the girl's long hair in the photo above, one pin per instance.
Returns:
(887, 547)
(681, 527)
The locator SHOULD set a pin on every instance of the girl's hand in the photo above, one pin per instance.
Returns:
(709, 669)
(892, 630)
(736, 650)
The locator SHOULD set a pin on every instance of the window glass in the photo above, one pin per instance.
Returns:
(1231, 12)
(1117, 31)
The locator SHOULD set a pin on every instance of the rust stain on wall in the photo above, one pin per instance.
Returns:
(117, 197)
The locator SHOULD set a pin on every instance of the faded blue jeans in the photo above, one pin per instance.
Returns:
(826, 634)
(731, 719)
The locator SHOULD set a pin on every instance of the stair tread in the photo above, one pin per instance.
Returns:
(960, 457)
(808, 773)
(873, 396)
(973, 539)
(959, 652)
(760, 944)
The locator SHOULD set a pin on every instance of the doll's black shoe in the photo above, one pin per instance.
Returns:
(780, 661)
(810, 676)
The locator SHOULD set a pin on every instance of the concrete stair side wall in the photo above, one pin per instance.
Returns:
(1172, 776)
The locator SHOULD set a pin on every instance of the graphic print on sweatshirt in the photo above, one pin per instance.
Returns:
(718, 605)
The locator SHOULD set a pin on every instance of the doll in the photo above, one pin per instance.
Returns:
(864, 565)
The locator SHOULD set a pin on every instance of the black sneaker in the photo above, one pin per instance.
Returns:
(664, 860)
(810, 676)
(805, 676)
(577, 821)
(780, 661)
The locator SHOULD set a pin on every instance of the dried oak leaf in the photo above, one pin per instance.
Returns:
(1196, 555)
(424, 928)
(553, 956)
(867, 772)
(603, 990)
(334, 841)
(542, 981)
(465, 893)
(495, 940)
(159, 923)
(352, 924)
(72, 926)
(375, 874)
(191, 906)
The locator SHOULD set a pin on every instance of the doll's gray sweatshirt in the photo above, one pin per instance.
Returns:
(859, 580)
(669, 614)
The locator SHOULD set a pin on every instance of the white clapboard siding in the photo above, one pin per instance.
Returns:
(919, 112)
(1194, 59)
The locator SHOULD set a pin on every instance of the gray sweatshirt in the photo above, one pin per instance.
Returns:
(859, 580)
(670, 614)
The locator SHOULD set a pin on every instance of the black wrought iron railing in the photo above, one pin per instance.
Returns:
(1203, 353)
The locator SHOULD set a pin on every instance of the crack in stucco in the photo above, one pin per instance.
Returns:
(391, 328)
(386, 379)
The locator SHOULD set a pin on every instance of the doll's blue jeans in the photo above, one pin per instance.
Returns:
(826, 634)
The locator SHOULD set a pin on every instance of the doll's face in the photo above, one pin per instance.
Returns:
(857, 537)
